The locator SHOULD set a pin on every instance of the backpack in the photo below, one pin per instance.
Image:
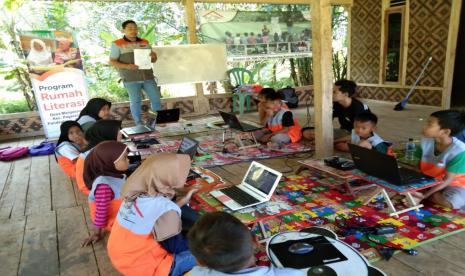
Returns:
(9, 153)
(289, 96)
(45, 148)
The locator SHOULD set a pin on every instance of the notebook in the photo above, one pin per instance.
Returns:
(168, 115)
(233, 122)
(188, 146)
(384, 166)
(257, 186)
(139, 129)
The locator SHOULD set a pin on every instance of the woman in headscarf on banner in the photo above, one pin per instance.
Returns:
(69, 146)
(104, 170)
(39, 56)
(146, 238)
(66, 55)
(95, 109)
(104, 130)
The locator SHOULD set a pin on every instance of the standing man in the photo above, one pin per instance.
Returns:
(134, 79)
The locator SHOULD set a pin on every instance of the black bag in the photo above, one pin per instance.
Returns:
(289, 96)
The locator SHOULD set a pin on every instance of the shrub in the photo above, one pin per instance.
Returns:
(13, 106)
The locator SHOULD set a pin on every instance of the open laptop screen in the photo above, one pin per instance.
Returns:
(260, 178)
(188, 146)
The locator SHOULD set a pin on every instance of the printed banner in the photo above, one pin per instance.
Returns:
(57, 77)
(258, 33)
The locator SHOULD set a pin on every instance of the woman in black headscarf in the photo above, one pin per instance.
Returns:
(69, 145)
(95, 109)
(103, 130)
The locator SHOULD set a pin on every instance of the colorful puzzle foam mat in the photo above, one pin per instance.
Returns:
(213, 145)
(317, 205)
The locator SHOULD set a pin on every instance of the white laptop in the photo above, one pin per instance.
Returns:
(258, 186)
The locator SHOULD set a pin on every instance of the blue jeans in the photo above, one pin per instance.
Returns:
(134, 90)
(182, 263)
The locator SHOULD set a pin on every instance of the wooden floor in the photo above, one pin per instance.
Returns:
(43, 218)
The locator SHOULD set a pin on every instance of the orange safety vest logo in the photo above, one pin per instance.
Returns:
(436, 165)
(274, 124)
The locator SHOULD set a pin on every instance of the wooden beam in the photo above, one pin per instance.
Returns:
(322, 76)
(450, 52)
(382, 46)
(349, 39)
(404, 40)
(190, 20)
(342, 2)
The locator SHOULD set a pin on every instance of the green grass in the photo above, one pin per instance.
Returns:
(13, 106)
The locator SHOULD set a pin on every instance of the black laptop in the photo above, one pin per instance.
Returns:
(188, 146)
(233, 122)
(168, 115)
(384, 166)
(162, 117)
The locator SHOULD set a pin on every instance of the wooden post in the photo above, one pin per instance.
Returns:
(202, 105)
(450, 52)
(349, 39)
(190, 20)
(322, 76)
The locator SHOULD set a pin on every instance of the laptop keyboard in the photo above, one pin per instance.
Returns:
(239, 196)
(411, 176)
(246, 126)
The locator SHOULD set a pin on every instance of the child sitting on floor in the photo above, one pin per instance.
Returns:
(263, 113)
(96, 109)
(363, 134)
(146, 238)
(69, 146)
(223, 245)
(443, 157)
(104, 170)
(308, 136)
(346, 106)
(281, 127)
(103, 130)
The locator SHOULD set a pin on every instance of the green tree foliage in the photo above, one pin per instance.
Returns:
(17, 70)
(56, 17)
(97, 24)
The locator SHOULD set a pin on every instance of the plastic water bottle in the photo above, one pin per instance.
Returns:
(410, 150)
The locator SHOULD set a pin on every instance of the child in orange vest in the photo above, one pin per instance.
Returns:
(443, 157)
(281, 127)
(103, 130)
(364, 135)
(146, 238)
(69, 146)
(104, 169)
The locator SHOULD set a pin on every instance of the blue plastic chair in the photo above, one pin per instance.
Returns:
(239, 76)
